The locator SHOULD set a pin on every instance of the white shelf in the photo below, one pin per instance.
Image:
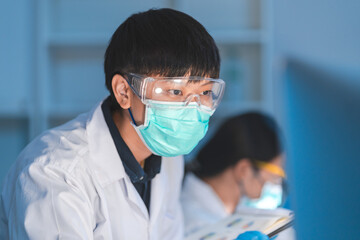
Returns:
(237, 36)
(63, 111)
(232, 36)
(229, 107)
(13, 115)
(56, 40)
(13, 110)
(241, 104)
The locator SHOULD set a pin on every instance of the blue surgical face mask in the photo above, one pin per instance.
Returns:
(171, 129)
(271, 197)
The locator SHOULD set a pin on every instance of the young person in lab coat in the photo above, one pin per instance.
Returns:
(116, 171)
(240, 161)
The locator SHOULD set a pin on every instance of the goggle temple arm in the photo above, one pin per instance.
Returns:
(272, 168)
(129, 80)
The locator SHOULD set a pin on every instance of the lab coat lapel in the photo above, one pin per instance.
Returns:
(158, 192)
(106, 161)
(134, 198)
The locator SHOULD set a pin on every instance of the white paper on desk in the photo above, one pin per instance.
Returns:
(245, 220)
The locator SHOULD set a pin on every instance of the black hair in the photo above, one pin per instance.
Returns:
(251, 135)
(162, 42)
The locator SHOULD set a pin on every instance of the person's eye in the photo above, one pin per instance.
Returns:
(207, 93)
(175, 92)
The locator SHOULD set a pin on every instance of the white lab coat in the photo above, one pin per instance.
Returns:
(202, 207)
(70, 183)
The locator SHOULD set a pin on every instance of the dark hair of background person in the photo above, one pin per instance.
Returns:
(251, 135)
(162, 42)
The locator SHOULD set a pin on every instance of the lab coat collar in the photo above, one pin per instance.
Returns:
(105, 159)
(158, 188)
(200, 190)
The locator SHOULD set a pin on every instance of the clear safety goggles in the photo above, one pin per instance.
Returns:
(177, 91)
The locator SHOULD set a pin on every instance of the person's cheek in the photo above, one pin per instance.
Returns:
(258, 191)
(138, 109)
(254, 189)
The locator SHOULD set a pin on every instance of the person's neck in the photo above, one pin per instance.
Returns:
(130, 136)
(226, 187)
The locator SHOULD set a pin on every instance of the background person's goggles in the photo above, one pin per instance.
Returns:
(204, 91)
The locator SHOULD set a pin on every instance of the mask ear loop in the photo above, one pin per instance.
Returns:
(132, 117)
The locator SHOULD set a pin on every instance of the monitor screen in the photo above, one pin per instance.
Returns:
(322, 127)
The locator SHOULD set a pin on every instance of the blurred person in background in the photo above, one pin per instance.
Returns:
(240, 166)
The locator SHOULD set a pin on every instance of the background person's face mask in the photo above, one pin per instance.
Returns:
(271, 197)
(170, 130)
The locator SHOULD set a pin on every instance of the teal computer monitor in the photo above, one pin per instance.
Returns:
(322, 126)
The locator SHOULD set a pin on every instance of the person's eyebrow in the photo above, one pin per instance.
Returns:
(207, 83)
(196, 81)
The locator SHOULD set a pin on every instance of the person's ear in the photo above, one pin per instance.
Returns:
(243, 169)
(122, 91)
